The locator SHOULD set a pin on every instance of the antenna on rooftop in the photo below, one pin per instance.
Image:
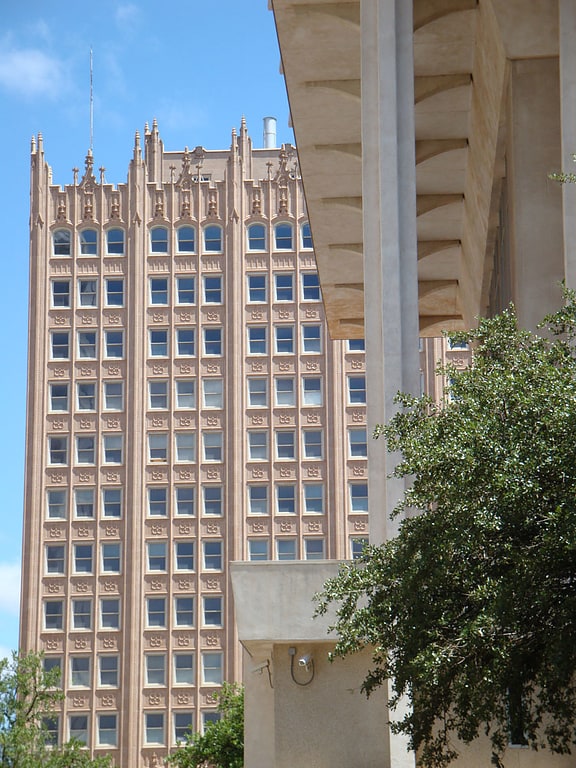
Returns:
(91, 105)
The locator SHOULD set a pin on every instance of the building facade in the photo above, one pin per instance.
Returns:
(186, 409)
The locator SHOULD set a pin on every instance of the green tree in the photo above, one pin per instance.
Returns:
(29, 696)
(222, 743)
(471, 610)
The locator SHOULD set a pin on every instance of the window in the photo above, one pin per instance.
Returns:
(185, 500)
(283, 237)
(285, 392)
(357, 547)
(157, 502)
(212, 446)
(212, 341)
(60, 345)
(213, 290)
(184, 611)
(257, 549)
(314, 549)
(78, 728)
(257, 340)
(114, 292)
(312, 339)
(213, 393)
(113, 449)
(212, 668)
(314, 498)
(159, 240)
(213, 500)
(82, 558)
(88, 242)
(158, 290)
(56, 503)
(212, 611)
(86, 393)
(61, 293)
(156, 611)
(186, 393)
(182, 726)
(156, 555)
(81, 614)
(284, 287)
(111, 558)
(257, 445)
(86, 344)
(84, 498)
(85, 451)
(156, 669)
(310, 286)
(359, 497)
(306, 235)
(51, 728)
(186, 239)
(107, 730)
(108, 666)
(356, 345)
(88, 292)
(257, 392)
(356, 389)
(209, 716)
(114, 341)
(80, 671)
(452, 344)
(285, 445)
(256, 288)
(58, 397)
(159, 343)
(258, 499)
(185, 446)
(61, 242)
(184, 555)
(53, 614)
(158, 447)
(112, 502)
(284, 335)
(58, 450)
(113, 395)
(357, 442)
(115, 242)
(55, 558)
(154, 728)
(256, 237)
(312, 441)
(286, 499)
(185, 290)
(212, 555)
(185, 342)
(183, 668)
(213, 238)
(311, 391)
(158, 394)
(286, 549)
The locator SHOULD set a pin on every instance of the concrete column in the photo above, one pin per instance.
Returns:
(567, 33)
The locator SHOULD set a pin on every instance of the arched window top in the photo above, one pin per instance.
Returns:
(88, 242)
(283, 236)
(159, 240)
(256, 237)
(306, 235)
(62, 242)
(186, 238)
(213, 237)
(115, 241)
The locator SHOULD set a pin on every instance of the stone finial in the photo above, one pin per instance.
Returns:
(33, 144)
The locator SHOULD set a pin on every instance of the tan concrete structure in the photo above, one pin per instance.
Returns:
(186, 408)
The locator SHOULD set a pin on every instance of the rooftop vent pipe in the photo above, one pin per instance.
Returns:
(269, 132)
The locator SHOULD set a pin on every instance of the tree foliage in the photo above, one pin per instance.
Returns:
(471, 610)
(222, 743)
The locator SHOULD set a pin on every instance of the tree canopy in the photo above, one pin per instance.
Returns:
(471, 610)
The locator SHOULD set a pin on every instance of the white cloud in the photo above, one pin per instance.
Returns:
(127, 14)
(10, 592)
(30, 72)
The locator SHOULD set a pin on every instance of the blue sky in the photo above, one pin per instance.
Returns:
(195, 67)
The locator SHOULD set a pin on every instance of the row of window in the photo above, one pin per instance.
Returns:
(184, 503)
(212, 234)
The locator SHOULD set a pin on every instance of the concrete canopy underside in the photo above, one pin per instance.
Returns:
(462, 50)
